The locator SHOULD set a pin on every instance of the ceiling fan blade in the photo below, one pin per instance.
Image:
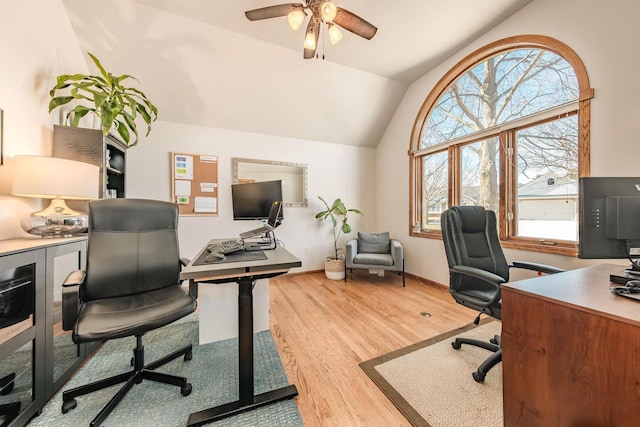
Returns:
(313, 27)
(352, 22)
(272, 11)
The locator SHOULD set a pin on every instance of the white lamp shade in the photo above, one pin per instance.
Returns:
(51, 177)
(295, 18)
(328, 11)
(335, 35)
(310, 41)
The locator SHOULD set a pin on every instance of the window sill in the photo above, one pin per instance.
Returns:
(565, 249)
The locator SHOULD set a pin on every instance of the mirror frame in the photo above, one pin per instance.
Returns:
(303, 204)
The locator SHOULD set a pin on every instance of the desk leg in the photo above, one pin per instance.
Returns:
(245, 340)
(247, 399)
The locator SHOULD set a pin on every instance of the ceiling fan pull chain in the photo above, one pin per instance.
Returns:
(323, 43)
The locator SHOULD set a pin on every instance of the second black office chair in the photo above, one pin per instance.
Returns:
(131, 286)
(477, 267)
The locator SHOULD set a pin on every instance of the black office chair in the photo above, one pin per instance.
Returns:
(131, 286)
(477, 267)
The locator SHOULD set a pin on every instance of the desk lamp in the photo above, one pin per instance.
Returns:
(56, 179)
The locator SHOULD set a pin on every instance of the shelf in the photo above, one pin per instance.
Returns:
(116, 171)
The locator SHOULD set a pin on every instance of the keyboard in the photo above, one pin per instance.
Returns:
(226, 247)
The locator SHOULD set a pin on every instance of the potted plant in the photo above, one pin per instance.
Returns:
(334, 266)
(116, 105)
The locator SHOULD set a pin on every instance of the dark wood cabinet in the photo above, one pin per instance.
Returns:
(91, 146)
(36, 356)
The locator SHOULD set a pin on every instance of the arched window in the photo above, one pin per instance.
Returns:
(507, 128)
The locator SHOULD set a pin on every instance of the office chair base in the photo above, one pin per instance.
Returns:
(490, 362)
(139, 373)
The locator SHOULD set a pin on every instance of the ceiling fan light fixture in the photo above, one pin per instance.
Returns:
(310, 41)
(328, 11)
(295, 18)
(335, 35)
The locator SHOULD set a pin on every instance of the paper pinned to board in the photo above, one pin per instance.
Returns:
(182, 187)
(208, 187)
(205, 204)
(183, 166)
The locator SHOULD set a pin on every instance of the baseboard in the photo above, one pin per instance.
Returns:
(421, 280)
(428, 282)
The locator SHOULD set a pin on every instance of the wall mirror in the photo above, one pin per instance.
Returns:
(292, 175)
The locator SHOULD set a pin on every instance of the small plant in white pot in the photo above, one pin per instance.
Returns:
(334, 266)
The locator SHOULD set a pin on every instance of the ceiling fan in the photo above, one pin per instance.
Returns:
(320, 12)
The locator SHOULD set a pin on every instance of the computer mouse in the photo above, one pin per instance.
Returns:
(214, 256)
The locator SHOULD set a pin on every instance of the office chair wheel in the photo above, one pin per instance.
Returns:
(68, 405)
(456, 345)
(188, 356)
(478, 376)
(186, 390)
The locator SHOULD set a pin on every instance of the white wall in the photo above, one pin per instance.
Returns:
(604, 35)
(36, 44)
(333, 171)
(37, 41)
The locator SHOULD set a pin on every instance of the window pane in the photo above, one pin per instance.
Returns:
(503, 88)
(547, 186)
(480, 180)
(434, 189)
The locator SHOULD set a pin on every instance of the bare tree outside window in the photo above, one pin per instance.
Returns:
(501, 90)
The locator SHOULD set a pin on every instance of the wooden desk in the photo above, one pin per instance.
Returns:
(570, 351)
(245, 273)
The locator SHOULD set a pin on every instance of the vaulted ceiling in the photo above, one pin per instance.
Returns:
(203, 63)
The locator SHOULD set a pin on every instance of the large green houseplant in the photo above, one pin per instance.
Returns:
(117, 106)
(338, 213)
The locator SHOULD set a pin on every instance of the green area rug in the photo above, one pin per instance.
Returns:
(213, 372)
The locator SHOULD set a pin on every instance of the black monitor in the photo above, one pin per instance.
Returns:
(252, 201)
(609, 218)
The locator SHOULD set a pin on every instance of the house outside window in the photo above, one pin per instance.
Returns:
(508, 129)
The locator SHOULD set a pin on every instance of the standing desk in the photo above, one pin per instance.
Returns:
(245, 273)
(570, 351)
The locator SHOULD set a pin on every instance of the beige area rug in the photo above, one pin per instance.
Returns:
(431, 383)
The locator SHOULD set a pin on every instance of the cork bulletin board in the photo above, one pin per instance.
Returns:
(194, 183)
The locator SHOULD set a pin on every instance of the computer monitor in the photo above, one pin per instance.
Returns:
(609, 218)
(252, 201)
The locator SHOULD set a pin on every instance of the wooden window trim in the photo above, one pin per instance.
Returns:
(585, 93)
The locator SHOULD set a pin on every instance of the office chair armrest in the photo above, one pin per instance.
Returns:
(397, 252)
(193, 286)
(542, 268)
(483, 275)
(71, 298)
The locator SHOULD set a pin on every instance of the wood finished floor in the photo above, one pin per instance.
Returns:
(323, 329)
